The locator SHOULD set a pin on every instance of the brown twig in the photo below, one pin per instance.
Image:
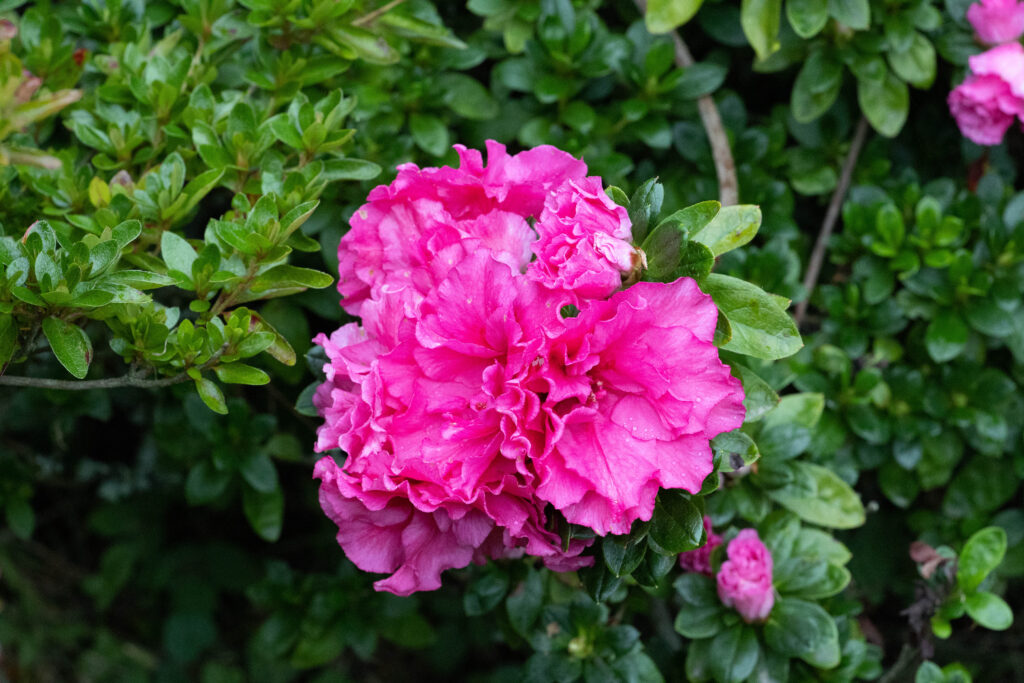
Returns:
(370, 16)
(831, 215)
(125, 381)
(725, 166)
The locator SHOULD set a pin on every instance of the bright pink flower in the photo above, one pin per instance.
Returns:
(699, 560)
(635, 392)
(398, 241)
(997, 21)
(745, 579)
(584, 246)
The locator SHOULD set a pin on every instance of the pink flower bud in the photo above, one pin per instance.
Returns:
(745, 579)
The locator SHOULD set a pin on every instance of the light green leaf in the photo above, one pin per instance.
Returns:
(240, 373)
(760, 20)
(667, 15)
(982, 553)
(732, 227)
(818, 495)
(212, 396)
(760, 328)
(70, 344)
(990, 611)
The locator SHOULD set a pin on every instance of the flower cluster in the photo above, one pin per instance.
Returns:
(991, 98)
(472, 404)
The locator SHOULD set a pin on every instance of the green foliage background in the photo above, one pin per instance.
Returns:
(172, 193)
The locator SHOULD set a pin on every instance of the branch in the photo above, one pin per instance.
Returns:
(725, 166)
(384, 9)
(831, 215)
(126, 381)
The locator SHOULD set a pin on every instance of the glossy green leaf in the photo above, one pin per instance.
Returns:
(760, 328)
(70, 344)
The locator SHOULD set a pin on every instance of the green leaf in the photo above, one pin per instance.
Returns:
(429, 133)
(21, 518)
(212, 396)
(917, 64)
(178, 254)
(621, 555)
(990, 611)
(699, 621)
(946, 336)
(885, 103)
(349, 169)
(239, 373)
(8, 339)
(807, 17)
(205, 483)
(801, 409)
(929, 672)
(816, 87)
(667, 15)
(760, 328)
(524, 603)
(258, 470)
(467, 97)
(797, 628)
(265, 512)
(732, 227)
(644, 206)
(738, 444)
(485, 592)
(734, 654)
(287, 276)
(855, 14)
(70, 344)
(982, 553)
(758, 396)
(760, 20)
(819, 496)
(677, 524)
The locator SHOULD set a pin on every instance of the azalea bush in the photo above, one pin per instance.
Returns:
(552, 340)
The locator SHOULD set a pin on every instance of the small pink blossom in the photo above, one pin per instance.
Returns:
(699, 560)
(745, 579)
(584, 241)
(997, 21)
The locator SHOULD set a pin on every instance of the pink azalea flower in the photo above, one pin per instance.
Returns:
(745, 579)
(635, 392)
(699, 560)
(997, 21)
(584, 246)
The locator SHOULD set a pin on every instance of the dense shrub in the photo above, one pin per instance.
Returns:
(175, 178)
